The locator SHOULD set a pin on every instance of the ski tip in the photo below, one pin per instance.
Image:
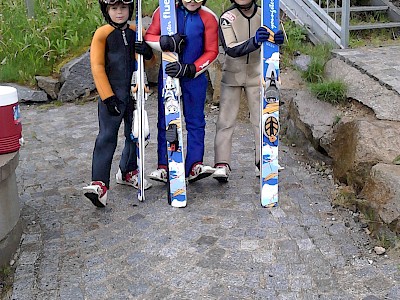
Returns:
(179, 204)
(270, 205)
(140, 197)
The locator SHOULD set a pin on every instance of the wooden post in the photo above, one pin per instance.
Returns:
(30, 8)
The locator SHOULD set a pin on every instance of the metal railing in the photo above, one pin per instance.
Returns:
(30, 8)
(321, 19)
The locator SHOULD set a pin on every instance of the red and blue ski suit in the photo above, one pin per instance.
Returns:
(201, 49)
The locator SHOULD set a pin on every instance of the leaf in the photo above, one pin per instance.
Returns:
(396, 161)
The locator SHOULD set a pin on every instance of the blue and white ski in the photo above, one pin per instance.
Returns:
(172, 106)
(269, 107)
(140, 127)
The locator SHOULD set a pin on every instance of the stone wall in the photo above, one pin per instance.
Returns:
(10, 227)
(362, 137)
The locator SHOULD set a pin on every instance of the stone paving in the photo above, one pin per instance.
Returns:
(223, 245)
(381, 63)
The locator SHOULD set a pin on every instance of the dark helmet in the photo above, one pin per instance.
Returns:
(103, 7)
(244, 7)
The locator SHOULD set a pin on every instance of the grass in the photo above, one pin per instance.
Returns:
(5, 281)
(295, 42)
(326, 90)
(332, 91)
(60, 29)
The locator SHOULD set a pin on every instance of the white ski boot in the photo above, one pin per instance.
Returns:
(96, 192)
(131, 178)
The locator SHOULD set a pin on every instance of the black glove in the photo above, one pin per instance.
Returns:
(262, 35)
(112, 104)
(144, 49)
(279, 37)
(178, 70)
(173, 43)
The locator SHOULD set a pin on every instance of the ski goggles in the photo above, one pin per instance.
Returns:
(197, 1)
(111, 2)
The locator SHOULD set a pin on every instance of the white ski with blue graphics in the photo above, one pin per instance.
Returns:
(269, 106)
(140, 127)
(172, 105)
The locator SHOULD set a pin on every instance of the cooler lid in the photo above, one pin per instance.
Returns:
(8, 95)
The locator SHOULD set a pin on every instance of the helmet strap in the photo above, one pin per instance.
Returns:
(116, 25)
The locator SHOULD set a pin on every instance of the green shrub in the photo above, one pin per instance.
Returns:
(315, 70)
(296, 41)
(332, 91)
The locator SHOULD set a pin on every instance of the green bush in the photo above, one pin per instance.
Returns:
(332, 91)
(315, 70)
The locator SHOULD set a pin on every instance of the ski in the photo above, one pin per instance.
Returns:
(172, 105)
(140, 92)
(269, 107)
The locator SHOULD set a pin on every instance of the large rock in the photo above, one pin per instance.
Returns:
(382, 191)
(152, 72)
(361, 87)
(50, 85)
(76, 79)
(26, 94)
(359, 145)
(215, 75)
(313, 117)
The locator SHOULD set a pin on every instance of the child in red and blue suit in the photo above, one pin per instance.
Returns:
(196, 43)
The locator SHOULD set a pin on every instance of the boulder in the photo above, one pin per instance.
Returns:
(314, 118)
(27, 94)
(215, 76)
(76, 79)
(382, 191)
(50, 85)
(152, 72)
(383, 101)
(360, 144)
(302, 62)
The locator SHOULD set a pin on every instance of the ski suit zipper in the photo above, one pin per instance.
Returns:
(126, 52)
(185, 13)
(124, 37)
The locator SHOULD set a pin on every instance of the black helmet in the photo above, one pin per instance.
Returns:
(103, 7)
(244, 7)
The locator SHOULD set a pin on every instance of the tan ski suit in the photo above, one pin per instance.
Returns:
(240, 71)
